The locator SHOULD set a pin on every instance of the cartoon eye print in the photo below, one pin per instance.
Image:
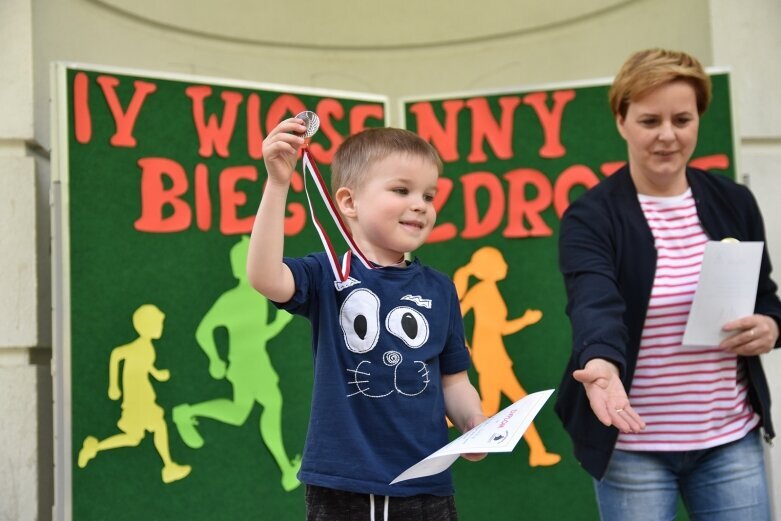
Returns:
(409, 325)
(360, 320)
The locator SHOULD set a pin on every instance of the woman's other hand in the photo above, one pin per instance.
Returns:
(753, 335)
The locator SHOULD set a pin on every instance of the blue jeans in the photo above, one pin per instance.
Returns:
(718, 484)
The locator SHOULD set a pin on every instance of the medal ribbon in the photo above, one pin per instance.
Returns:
(341, 271)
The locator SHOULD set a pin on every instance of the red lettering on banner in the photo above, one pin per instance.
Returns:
(285, 106)
(713, 161)
(203, 202)
(155, 197)
(442, 231)
(214, 136)
(550, 119)
(523, 197)
(474, 226)
(360, 113)
(82, 119)
(611, 167)
(576, 175)
(486, 128)
(157, 200)
(254, 132)
(327, 110)
(519, 207)
(231, 199)
(444, 139)
(124, 121)
(296, 221)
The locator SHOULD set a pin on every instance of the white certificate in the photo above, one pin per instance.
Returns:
(499, 433)
(726, 291)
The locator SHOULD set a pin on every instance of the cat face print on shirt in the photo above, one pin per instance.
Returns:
(388, 342)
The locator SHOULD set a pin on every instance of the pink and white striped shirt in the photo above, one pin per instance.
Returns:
(690, 397)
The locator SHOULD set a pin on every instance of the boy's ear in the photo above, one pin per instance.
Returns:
(345, 201)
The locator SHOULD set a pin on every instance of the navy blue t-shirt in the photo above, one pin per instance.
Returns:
(381, 344)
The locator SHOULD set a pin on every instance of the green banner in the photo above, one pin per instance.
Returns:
(182, 393)
(514, 160)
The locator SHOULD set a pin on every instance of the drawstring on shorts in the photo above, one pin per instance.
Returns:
(384, 510)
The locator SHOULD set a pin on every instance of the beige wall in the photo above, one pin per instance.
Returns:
(564, 49)
(755, 59)
(396, 48)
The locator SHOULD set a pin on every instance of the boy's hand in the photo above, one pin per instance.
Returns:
(114, 393)
(474, 422)
(280, 150)
(474, 457)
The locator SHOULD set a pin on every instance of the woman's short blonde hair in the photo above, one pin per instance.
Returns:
(647, 70)
(360, 151)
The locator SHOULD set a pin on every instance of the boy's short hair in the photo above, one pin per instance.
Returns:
(361, 150)
(647, 70)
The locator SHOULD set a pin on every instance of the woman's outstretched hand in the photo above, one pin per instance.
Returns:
(607, 395)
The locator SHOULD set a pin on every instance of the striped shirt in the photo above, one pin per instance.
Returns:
(689, 397)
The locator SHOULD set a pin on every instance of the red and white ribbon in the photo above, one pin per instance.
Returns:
(341, 270)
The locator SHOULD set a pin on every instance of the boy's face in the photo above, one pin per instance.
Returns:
(392, 210)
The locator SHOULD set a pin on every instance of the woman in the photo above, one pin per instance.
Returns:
(630, 253)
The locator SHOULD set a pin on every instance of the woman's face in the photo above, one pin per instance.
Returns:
(660, 130)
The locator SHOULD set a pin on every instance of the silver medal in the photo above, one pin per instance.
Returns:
(311, 121)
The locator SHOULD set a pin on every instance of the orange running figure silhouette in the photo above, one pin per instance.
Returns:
(140, 411)
(489, 354)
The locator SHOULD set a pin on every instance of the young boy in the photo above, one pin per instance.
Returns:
(389, 352)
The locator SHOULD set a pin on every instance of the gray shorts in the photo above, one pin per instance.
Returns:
(326, 504)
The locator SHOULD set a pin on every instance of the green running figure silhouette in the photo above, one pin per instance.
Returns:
(244, 313)
(140, 412)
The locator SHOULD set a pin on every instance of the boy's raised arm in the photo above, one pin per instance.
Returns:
(265, 269)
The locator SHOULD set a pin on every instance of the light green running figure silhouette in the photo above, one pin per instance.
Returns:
(244, 313)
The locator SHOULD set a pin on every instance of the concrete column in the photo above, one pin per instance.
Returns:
(25, 347)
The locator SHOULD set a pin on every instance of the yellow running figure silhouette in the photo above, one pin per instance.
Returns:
(140, 412)
(489, 354)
